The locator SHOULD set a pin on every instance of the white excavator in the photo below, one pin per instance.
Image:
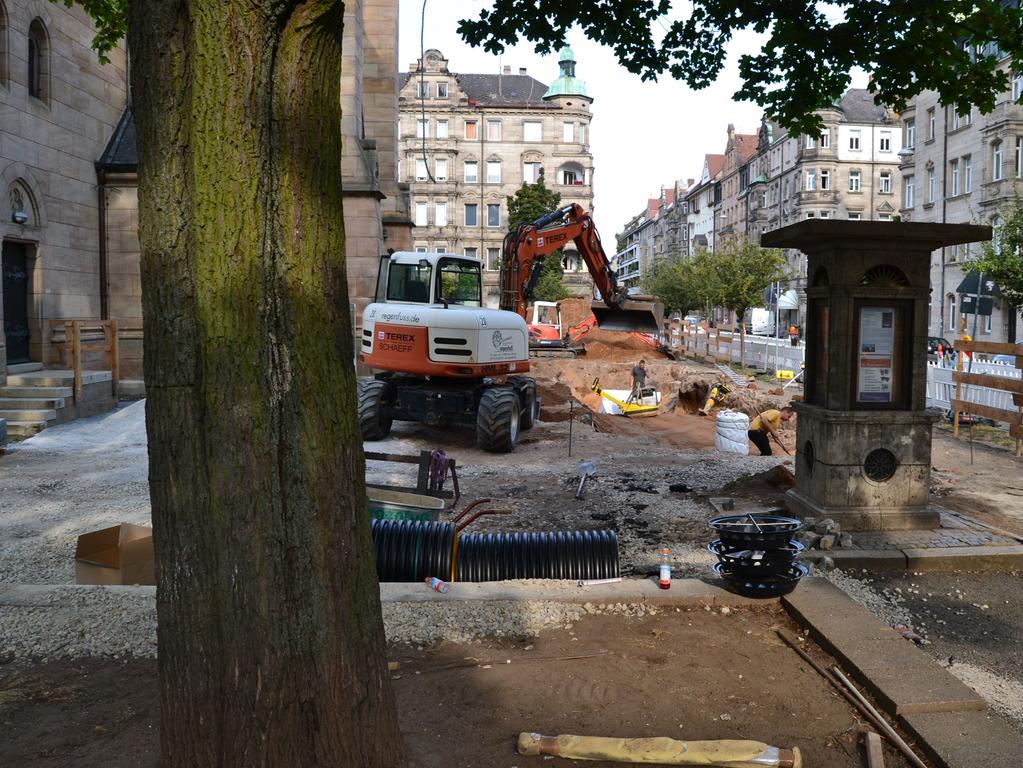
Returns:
(441, 358)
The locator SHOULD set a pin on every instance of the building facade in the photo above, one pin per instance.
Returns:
(703, 199)
(59, 107)
(962, 167)
(732, 205)
(469, 141)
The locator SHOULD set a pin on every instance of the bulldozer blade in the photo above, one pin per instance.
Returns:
(630, 315)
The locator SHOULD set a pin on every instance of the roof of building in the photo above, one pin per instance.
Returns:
(715, 163)
(121, 152)
(568, 84)
(498, 90)
(669, 195)
(745, 145)
(652, 206)
(858, 106)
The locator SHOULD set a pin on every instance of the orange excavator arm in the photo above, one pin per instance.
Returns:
(523, 256)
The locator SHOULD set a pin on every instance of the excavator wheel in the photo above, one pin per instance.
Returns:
(498, 420)
(530, 402)
(374, 416)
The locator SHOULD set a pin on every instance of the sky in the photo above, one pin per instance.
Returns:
(643, 135)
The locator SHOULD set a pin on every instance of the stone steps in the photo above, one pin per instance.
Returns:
(24, 368)
(34, 399)
(55, 378)
(26, 414)
(30, 403)
(34, 392)
(25, 428)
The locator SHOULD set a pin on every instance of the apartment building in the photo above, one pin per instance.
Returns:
(731, 205)
(962, 167)
(702, 200)
(469, 141)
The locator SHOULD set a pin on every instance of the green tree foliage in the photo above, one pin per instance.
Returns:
(1001, 258)
(530, 202)
(808, 52)
(671, 281)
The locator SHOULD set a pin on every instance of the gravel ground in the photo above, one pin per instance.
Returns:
(972, 624)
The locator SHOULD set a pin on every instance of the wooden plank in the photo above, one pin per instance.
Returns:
(76, 356)
(988, 347)
(1003, 383)
(114, 358)
(1016, 430)
(987, 411)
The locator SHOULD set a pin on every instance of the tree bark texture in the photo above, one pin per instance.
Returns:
(271, 645)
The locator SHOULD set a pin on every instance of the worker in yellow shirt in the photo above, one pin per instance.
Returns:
(767, 423)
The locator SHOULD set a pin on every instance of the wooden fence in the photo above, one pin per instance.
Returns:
(718, 346)
(1011, 385)
(73, 347)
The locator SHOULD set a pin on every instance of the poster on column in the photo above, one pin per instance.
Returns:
(877, 347)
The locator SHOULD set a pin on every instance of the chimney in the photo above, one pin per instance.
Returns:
(507, 69)
(522, 70)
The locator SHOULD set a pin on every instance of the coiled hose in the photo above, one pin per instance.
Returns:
(413, 551)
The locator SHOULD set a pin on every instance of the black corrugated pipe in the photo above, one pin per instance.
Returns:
(414, 551)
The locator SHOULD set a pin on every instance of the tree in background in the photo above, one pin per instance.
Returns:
(745, 270)
(1001, 259)
(809, 48)
(671, 281)
(530, 202)
(271, 642)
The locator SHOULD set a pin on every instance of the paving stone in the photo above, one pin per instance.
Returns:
(966, 739)
(903, 678)
(871, 559)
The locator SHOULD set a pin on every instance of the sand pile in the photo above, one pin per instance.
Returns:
(605, 345)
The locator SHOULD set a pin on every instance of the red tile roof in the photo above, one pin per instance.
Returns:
(715, 163)
(745, 145)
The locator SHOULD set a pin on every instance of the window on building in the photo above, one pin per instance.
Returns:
(930, 185)
(1019, 157)
(472, 215)
(930, 124)
(1017, 86)
(884, 217)
(422, 90)
(996, 160)
(987, 325)
(422, 129)
(568, 132)
(493, 171)
(825, 140)
(421, 248)
(38, 60)
(885, 143)
(954, 165)
(532, 130)
(442, 90)
(952, 319)
(531, 172)
(421, 169)
(967, 116)
(967, 174)
(570, 177)
(493, 130)
(440, 214)
(494, 259)
(471, 172)
(911, 133)
(885, 187)
(955, 117)
(825, 179)
(442, 129)
(442, 248)
(811, 181)
(854, 140)
(854, 181)
(421, 216)
(493, 214)
(582, 133)
(907, 185)
(471, 129)
(811, 142)
(472, 253)
(441, 169)
(855, 215)
(811, 215)
(825, 214)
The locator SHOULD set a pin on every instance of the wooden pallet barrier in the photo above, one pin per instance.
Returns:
(1014, 386)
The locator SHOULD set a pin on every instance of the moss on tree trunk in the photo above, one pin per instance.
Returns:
(270, 635)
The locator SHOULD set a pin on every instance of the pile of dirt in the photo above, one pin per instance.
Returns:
(600, 344)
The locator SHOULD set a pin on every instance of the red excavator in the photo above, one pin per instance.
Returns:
(526, 248)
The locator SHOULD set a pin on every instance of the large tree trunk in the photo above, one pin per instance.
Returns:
(270, 635)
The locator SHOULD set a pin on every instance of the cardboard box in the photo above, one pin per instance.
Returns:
(119, 555)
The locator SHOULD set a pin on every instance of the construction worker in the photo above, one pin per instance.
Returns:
(638, 381)
(766, 425)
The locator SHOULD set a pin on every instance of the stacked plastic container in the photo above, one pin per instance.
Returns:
(757, 553)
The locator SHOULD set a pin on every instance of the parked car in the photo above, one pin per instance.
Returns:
(932, 346)
(1008, 359)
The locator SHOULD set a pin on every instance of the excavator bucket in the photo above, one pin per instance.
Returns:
(641, 314)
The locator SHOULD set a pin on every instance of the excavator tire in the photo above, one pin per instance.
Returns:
(374, 418)
(498, 420)
(530, 402)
